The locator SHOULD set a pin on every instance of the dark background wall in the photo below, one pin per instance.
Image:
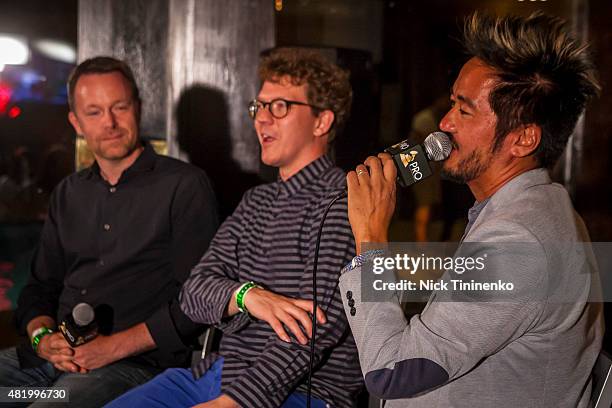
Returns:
(593, 196)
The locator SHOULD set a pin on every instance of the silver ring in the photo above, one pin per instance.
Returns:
(360, 172)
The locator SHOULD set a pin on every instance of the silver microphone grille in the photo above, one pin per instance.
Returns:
(438, 146)
(83, 314)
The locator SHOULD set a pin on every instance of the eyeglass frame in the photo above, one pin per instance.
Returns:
(267, 105)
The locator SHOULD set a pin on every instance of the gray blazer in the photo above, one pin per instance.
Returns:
(533, 347)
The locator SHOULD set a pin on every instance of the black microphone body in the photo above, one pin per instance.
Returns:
(412, 160)
(80, 326)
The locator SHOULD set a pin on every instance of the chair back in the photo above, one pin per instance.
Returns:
(602, 382)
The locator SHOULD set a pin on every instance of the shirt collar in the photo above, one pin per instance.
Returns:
(476, 209)
(511, 189)
(144, 162)
(521, 183)
(305, 176)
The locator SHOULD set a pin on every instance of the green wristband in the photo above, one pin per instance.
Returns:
(244, 289)
(38, 334)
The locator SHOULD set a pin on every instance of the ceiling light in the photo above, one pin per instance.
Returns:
(13, 50)
(56, 50)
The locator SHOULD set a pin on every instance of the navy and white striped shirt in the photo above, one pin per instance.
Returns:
(270, 239)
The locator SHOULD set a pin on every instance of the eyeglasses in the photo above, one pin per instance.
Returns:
(279, 108)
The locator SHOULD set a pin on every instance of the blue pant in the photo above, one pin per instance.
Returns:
(91, 390)
(176, 387)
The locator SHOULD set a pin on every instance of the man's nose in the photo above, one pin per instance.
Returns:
(110, 119)
(263, 116)
(447, 124)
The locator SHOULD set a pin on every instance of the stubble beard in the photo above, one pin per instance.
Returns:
(124, 149)
(468, 168)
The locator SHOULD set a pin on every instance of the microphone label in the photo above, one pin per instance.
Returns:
(75, 335)
(411, 162)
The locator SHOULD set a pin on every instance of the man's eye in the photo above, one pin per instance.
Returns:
(92, 113)
(453, 104)
(461, 111)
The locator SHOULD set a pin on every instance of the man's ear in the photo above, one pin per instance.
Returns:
(75, 123)
(324, 123)
(525, 140)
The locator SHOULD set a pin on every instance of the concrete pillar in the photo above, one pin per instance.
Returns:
(195, 61)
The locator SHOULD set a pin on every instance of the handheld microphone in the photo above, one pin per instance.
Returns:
(412, 161)
(80, 326)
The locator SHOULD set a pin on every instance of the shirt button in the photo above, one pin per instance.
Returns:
(112, 189)
(106, 227)
(83, 292)
(349, 294)
(101, 263)
(351, 302)
(353, 311)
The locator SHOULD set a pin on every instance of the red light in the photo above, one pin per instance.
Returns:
(5, 97)
(14, 112)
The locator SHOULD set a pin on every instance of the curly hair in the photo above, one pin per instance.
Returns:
(327, 85)
(545, 76)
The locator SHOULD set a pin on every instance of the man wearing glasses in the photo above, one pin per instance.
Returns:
(255, 281)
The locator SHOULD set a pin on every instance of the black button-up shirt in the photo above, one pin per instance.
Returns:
(126, 250)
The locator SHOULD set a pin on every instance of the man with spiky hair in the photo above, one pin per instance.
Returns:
(514, 106)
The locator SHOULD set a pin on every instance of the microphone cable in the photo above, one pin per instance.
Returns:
(314, 296)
